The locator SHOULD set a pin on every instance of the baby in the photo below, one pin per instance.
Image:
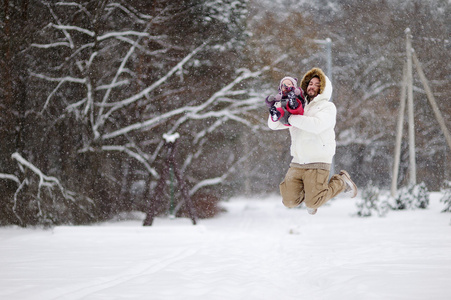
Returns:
(290, 100)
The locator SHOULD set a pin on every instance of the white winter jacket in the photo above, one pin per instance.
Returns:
(312, 134)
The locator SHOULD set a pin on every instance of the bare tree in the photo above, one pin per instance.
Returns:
(110, 79)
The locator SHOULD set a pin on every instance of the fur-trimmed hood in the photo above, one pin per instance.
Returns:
(325, 84)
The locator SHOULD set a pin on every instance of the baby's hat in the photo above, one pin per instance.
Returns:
(293, 80)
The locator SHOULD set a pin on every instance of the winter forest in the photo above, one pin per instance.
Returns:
(91, 91)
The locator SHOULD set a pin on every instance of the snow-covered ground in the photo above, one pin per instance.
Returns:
(257, 250)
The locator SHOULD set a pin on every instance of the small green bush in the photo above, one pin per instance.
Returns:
(370, 202)
(411, 197)
(446, 198)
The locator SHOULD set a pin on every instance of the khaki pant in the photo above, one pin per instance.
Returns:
(310, 186)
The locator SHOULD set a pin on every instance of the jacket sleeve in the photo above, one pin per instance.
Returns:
(276, 125)
(322, 120)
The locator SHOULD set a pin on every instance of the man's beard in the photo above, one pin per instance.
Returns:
(310, 97)
(314, 93)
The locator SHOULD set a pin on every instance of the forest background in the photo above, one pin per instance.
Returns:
(88, 89)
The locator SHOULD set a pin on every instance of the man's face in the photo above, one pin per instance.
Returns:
(287, 85)
(313, 87)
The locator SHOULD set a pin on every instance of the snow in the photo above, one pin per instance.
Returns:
(258, 249)
(171, 138)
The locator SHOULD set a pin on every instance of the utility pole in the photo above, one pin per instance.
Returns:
(407, 86)
(329, 59)
(412, 167)
(399, 129)
(431, 98)
(328, 44)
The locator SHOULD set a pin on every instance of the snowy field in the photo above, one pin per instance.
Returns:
(257, 250)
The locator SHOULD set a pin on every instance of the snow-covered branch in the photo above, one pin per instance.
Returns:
(136, 16)
(134, 155)
(244, 75)
(377, 88)
(65, 32)
(44, 180)
(153, 86)
(74, 4)
(221, 179)
(124, 33)
(201, 111)
(51, 45)
(59, 79)
(10, 177)
(112, 85)
(144, 124)
(350, 137)
(100, 118)
(21, 185)
(207, 182)
(76, 28)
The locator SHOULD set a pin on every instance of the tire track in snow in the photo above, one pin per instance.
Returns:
(88, 289)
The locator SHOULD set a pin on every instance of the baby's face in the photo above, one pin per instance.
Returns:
(287, 85)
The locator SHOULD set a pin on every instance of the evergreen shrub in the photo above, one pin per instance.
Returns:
(412, 196)
(370, 202)
(446, 198)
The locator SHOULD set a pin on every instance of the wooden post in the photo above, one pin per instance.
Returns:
(159, 189)
(186, 196)
(408, 84)
(438, 115)
(412, 158)
(402, 109)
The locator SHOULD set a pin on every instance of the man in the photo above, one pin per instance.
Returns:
(312, 148)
